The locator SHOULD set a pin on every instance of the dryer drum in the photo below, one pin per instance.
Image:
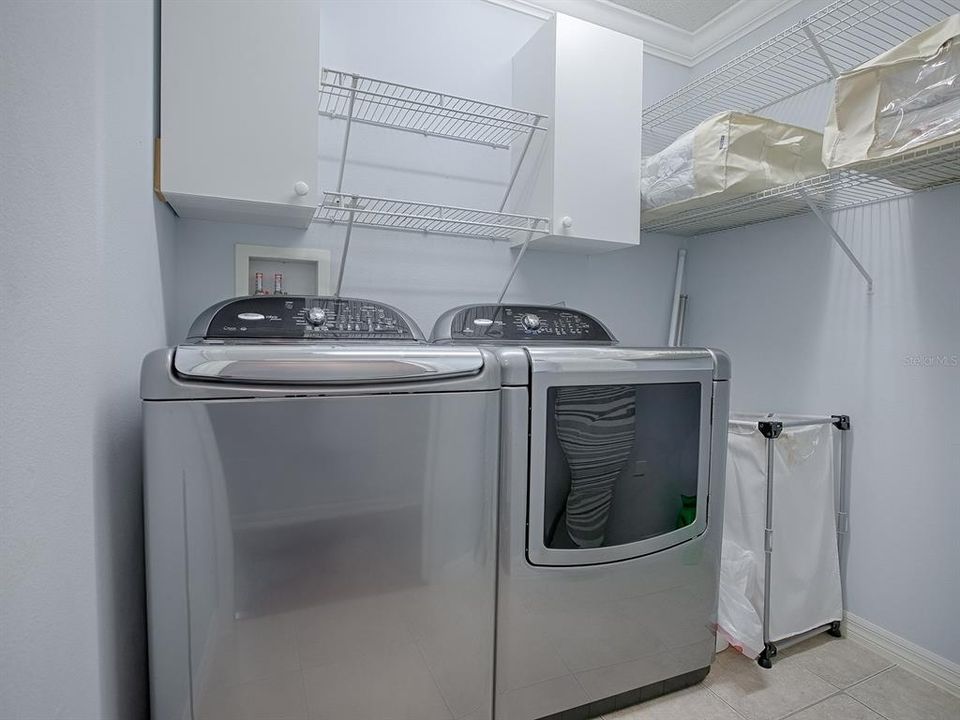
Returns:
(595, 427)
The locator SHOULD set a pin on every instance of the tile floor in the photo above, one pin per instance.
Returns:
(822, 678)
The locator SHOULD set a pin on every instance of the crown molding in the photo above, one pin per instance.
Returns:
(734, 23)
(523, 6)
(661, 39)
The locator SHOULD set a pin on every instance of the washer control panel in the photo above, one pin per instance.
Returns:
(524, 323)
(297, 317)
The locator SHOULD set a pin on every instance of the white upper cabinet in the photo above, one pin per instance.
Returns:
(584, 173)
(238, 109)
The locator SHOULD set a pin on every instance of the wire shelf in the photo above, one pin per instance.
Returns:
(402, 107)
(866, 183)
(426, 217)
(838, 38)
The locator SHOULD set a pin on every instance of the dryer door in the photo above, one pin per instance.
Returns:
(619, 453)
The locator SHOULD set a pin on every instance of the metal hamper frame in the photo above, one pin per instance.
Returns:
(771, 429)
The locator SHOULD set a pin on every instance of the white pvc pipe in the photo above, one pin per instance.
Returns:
(680, 318)
(675, 311)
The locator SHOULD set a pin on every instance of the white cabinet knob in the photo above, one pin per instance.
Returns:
(566, 221)
(301, 188)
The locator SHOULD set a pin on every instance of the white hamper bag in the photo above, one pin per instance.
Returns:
(728, 156)
(805, 576)
(906, 99)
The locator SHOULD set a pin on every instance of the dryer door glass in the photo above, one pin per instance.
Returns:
(617, 470)
(621, 463)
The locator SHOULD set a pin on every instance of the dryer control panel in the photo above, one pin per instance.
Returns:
(298, 317)
(521, 324)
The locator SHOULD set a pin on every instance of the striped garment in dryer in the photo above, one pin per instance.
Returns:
(595, 427)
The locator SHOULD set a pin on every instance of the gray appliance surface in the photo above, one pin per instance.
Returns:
(321, 541)
(583, 630)
(518, 325)
(303, 317)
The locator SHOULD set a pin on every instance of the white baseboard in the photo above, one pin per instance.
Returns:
(941, 672)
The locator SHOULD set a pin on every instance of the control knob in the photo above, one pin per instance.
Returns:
(316, 316)
(531, 321)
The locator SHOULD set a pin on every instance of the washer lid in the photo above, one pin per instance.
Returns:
(318, 364)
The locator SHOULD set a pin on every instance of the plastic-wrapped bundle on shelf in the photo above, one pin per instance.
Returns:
(906, 99)
(727, 156)
(780, 562)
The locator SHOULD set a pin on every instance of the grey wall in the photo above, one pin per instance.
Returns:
(805, 337)
(84, 250)
(661, 78)
(425, 275)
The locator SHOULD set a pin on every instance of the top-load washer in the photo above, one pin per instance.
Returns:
(611, 501)
(320, 489)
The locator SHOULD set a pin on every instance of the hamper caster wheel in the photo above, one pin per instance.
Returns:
(835, 629)
(764, 662)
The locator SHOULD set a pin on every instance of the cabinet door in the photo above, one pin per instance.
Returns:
(238, 115)
(599, 77)
(584, 172)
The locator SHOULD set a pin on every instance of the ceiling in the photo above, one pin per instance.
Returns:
(682, 31)
(690, 15)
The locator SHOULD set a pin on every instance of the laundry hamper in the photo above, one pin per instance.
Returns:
(906, 99)
(784, 520)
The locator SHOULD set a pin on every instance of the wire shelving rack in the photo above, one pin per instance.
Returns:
(426, 217)
(814, 51)
(357, 98)
(862, 184)
(427, 112)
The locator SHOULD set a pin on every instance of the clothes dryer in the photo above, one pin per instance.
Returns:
(611, 502)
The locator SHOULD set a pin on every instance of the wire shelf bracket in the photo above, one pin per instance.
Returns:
(839, 241)
(821, 52)
(357, 98)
